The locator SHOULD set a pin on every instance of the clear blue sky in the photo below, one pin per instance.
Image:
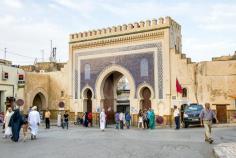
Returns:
(27, 26)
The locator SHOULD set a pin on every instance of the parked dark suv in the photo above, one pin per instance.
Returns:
(191, 115)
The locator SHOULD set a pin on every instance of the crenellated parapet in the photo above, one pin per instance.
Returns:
(125, 29)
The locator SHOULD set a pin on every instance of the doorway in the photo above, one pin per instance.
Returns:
(89, 101)
(1, 102)
(116, 94)
(39, 101)
(221, 113)
(146, 95)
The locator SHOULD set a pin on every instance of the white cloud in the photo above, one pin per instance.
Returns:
(219, 17)
(201, 50)
(23, 35)
(148, 9)
(208, 27)
(6, 20)
(84, 7)
(17, 4)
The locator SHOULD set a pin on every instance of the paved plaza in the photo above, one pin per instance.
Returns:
(134, 143)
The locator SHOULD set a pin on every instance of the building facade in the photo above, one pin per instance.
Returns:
(148, 56)
(12, 82)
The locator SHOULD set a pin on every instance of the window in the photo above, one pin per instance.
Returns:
(87, 72)
(21, 77)
(144, 67)
(185, 92)
(62, 93)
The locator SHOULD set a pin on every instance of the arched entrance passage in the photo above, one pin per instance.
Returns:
(87, 100)
(39, 101)
(107, 86)
(145, 102)
(116, 97)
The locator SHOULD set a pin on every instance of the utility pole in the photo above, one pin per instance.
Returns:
(42, 51)
(51, 53)
(51, 46)
(5, 53)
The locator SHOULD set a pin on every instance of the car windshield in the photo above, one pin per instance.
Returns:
(194, 107)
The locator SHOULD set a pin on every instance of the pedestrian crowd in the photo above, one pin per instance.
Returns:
(146, 119)
(122, 120)
(14, 121)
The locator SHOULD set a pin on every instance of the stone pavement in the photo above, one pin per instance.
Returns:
(134, 143)
(225, 150)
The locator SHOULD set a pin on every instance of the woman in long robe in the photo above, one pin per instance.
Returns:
(102, 120)
(16, 122)
(152, 120)
(59, 119)
(8, 130)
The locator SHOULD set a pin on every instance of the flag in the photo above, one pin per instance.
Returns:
(178, 87)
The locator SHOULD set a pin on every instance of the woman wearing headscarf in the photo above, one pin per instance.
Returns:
(90, 119)
(152, 120)
(140, 119)
(59, 119)
(16, 122)
(8, 130)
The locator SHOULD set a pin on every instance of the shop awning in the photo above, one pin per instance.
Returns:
(232, 96)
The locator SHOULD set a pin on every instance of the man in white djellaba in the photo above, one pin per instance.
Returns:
(102, 120)
(34, 121)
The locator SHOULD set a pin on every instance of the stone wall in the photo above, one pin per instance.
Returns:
(53, 86)
(58, 89)
(43, 66)
(216, 84)
(36, 83)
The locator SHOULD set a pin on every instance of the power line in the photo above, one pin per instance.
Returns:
(13, 53)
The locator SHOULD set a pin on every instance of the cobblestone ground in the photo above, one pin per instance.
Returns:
(78, 142)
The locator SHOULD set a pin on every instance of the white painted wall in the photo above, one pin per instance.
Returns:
(9, 87)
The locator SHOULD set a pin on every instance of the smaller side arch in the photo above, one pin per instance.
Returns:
(38, 91)
(85, 90)
(141, 86)
(87, 95)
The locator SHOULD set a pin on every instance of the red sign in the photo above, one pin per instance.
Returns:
(61, 104)
(20, 102)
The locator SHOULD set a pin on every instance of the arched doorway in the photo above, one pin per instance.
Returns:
(39, 101)
(106, 89)
(123, 93)
(145, 101)
(116, 95)
(87, 101)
